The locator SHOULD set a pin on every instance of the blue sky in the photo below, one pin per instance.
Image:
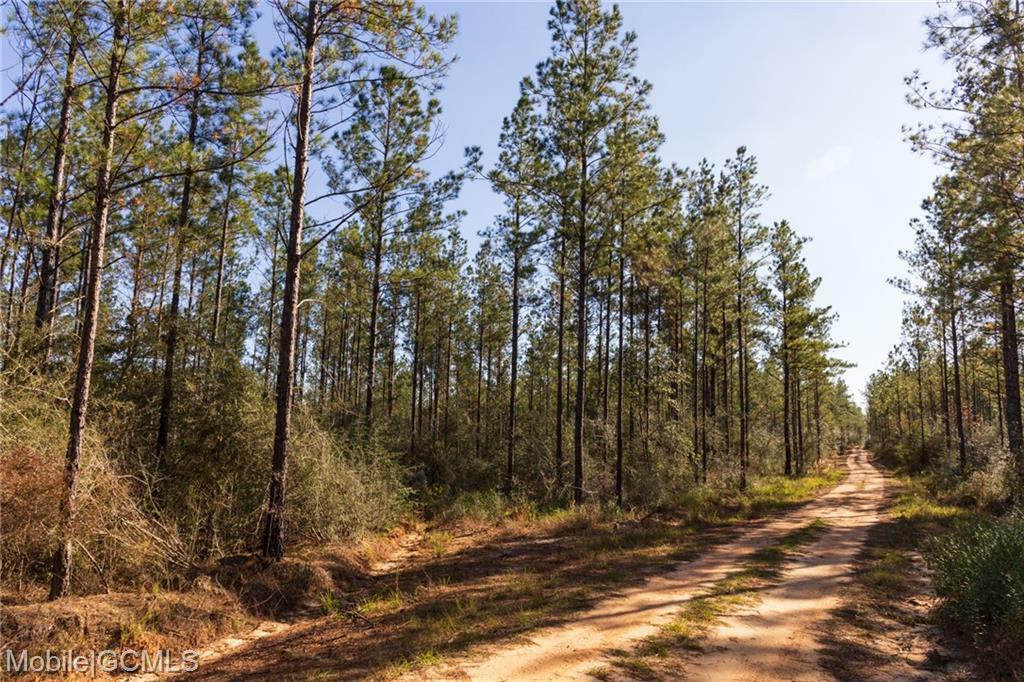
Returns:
(814, 90)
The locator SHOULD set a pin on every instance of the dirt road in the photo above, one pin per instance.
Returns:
(774, 640)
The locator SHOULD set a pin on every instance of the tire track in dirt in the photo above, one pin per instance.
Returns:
(774, 642)
(777, 638)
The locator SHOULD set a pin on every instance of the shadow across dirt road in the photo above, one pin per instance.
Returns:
(478, 598)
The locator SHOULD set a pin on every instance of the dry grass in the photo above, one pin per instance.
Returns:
(278, 589)
(152, 620)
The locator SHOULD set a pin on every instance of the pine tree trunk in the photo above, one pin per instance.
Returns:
(133, 314)
(607, 340)
(488, 389)
(705, 409)
(435, 387)
(60, 579)
(999, 405)
(899, 410)
(799, 415)
(631, 416)
(221, 254)
(371, 346)
(164, 258)
(171, 341)
(957, 401)
(391, 358)
(560, 392)
(414, 368)
(726, 385)
(357, 360)
(513, 375)
(744, 445)
(321, 384)
(619, 379)
(920, 407)
(46, 299)
(945, 390)
(647, 374)
(10, 336)
(479, 376)
(270, 311)
(787, 437)
(817, 421)
(744, 396)
(378, 255)
(447, 378)
(693, 380)
(600, 343)
(15, 228)
(27, 266)
(272, 544)
(419, 390)
(581, 337)
(1011, 372)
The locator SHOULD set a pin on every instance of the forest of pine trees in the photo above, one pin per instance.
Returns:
(949, 397)
(239, 313)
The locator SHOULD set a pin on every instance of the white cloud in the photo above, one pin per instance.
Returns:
(832, 161)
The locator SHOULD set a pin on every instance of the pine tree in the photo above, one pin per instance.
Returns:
(394, 131)
(323, 38)
(127, 26)
(586, 87)
(745, 198)
(797, 322)
(520, 166)
(46, 297)
(984, 44)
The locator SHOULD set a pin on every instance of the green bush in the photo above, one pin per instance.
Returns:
(214, 485)
(340, 487)
(979, 574)
(485, 505)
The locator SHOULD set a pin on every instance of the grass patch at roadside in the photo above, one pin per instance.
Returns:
(979, 577)
(765, 495)
(144, 620)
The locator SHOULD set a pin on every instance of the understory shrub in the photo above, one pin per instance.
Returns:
(340, 488)
(979, 575)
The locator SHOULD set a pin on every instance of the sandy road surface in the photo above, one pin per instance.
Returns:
(774, 640)
(777, 638)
